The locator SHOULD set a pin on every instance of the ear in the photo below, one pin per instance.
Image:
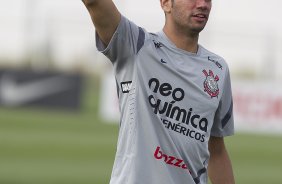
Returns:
(166, 5)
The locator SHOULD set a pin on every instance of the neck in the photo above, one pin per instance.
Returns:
(183, 40)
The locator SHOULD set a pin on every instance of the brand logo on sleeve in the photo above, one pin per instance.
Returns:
(126, 86)
(210, 84)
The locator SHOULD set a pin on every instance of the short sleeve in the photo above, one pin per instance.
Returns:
(124, 42)
(224, 121)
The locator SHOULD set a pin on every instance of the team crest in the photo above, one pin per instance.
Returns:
(210, 84)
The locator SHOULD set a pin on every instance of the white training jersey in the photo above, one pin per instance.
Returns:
(171, 102)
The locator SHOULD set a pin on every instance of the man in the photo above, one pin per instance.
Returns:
(175, 96)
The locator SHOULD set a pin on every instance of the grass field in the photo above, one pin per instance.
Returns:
(51, 147)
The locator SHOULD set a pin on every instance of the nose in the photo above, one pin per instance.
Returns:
(204, 4)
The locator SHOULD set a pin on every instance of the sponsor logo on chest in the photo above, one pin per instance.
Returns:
(165, 101)
(170, 160)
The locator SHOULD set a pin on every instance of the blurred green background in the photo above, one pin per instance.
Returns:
(40, 146)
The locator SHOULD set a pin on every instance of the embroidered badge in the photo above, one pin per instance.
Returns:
(210, 84)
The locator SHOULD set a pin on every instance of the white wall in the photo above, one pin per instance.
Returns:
(246, 33)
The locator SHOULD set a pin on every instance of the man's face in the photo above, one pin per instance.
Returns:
(190, 15)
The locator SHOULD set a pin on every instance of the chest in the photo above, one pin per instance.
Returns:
(186, 81)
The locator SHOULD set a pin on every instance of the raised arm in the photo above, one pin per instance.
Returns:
(105, 17)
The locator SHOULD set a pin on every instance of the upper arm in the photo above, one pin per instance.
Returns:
(216, 145)
(105, 17)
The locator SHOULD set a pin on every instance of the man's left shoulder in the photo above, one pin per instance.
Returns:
(216, 59)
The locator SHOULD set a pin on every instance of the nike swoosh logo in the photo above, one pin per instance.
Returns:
(13, 94)
(163, 61)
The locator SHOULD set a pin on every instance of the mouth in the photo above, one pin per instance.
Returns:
(200, 16)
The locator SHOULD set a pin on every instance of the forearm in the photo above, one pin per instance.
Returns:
(220, 168)
(89, 2)
(105, 17)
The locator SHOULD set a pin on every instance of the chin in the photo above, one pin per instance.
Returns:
(197, 29)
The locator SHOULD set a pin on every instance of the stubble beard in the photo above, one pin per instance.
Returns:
(197, 30)
(188, 28)
(185, 24)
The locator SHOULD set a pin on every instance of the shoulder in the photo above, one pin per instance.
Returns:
(134, 29)
(214, 58)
